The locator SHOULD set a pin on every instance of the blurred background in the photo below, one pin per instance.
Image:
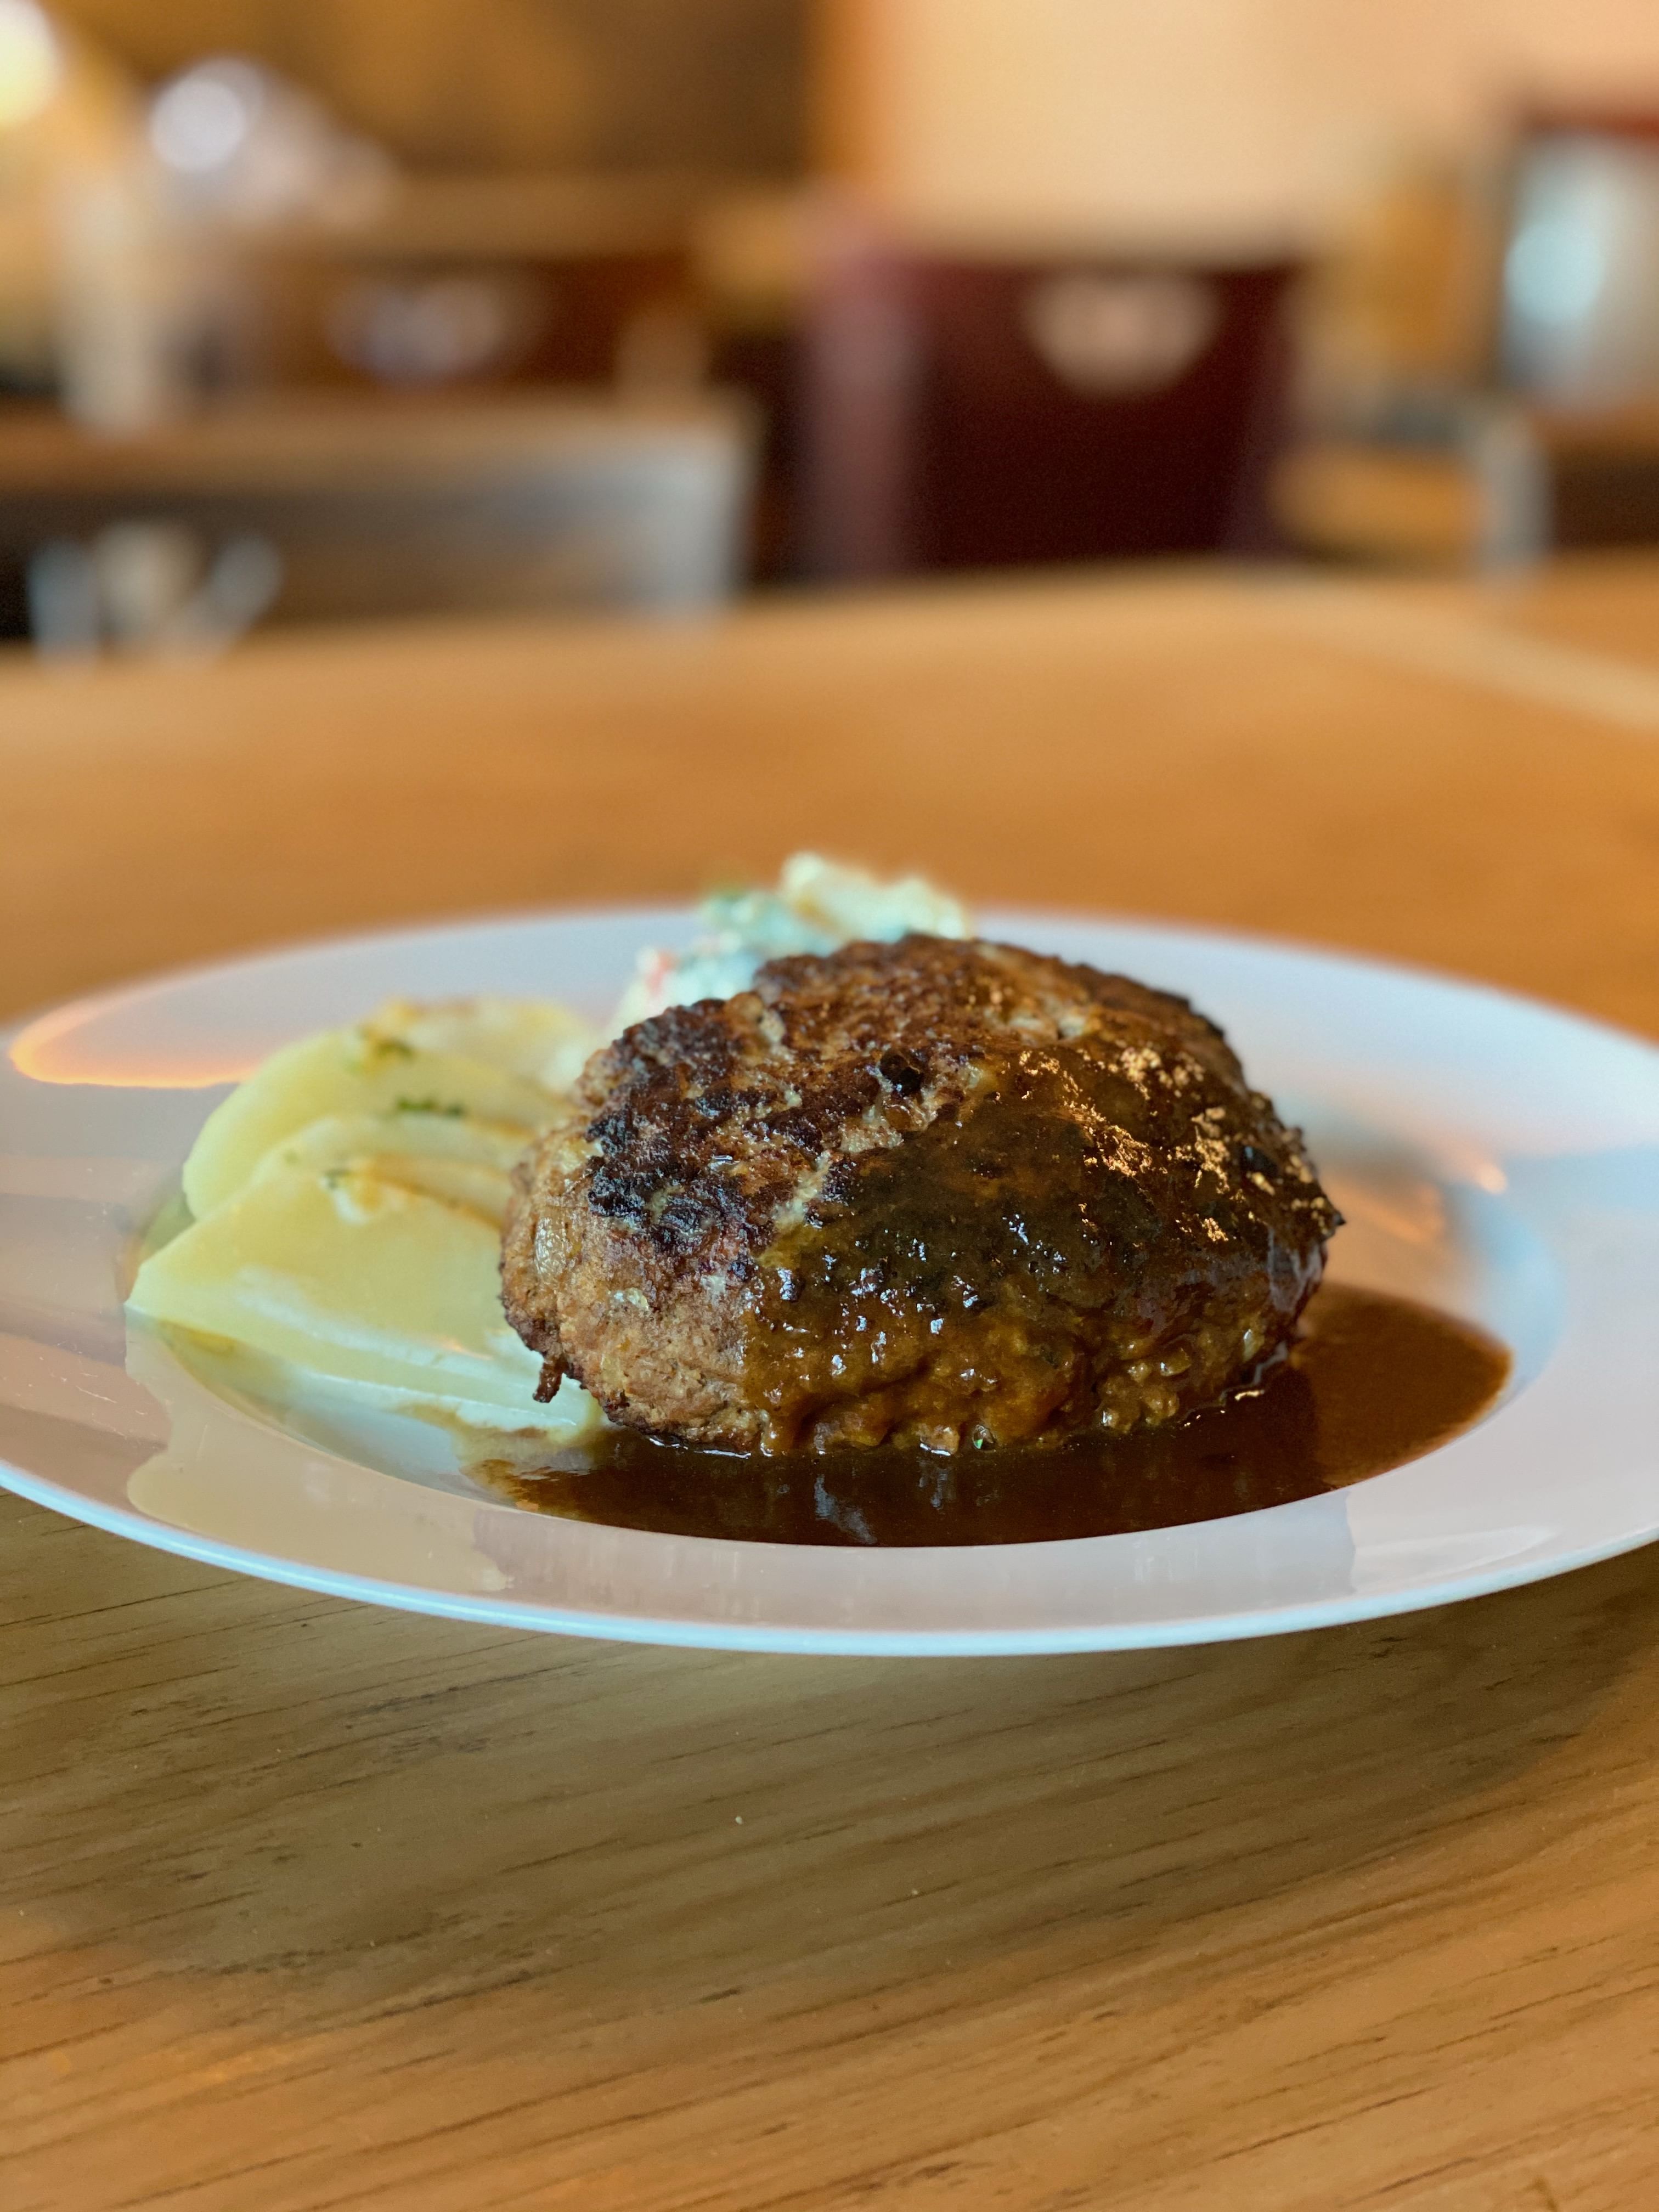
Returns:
(317, 309)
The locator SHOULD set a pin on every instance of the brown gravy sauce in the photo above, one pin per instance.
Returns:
(1374, 1381)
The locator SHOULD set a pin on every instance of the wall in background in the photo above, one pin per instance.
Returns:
(707, 84)
(1233, 121)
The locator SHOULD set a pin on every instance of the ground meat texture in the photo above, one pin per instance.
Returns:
(937, 1193)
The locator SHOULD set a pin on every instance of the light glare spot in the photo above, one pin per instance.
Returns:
(31, 62)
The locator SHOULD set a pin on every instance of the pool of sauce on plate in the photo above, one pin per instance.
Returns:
(1372, 1382)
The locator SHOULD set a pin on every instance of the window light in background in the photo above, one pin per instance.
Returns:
(1581, 275)
(31, 62)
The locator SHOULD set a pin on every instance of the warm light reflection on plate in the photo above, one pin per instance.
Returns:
(58, 1049)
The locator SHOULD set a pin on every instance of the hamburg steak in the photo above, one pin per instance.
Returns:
(939, 1192)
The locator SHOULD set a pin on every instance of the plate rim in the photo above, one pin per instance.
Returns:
(673, 1633)
(308, 942)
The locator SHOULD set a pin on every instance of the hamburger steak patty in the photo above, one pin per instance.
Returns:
(935, 1192)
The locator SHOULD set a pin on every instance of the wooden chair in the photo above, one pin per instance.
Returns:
(972, 414)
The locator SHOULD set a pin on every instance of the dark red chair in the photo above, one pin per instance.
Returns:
(977, 414)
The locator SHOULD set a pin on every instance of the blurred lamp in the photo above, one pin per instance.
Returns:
(240, 143)
(201, 120)
(31, 62)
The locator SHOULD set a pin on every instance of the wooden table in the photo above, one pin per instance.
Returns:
(306, 1906)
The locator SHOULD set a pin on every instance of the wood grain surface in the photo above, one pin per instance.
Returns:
(304, 1905)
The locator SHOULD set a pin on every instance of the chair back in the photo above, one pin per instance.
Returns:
(973, 414)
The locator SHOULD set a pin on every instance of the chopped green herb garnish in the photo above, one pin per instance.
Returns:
(430, 1106)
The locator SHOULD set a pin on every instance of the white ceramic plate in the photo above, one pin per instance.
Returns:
(1494, 1157)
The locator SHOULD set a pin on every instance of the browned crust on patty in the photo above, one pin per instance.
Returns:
(931, 1191)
